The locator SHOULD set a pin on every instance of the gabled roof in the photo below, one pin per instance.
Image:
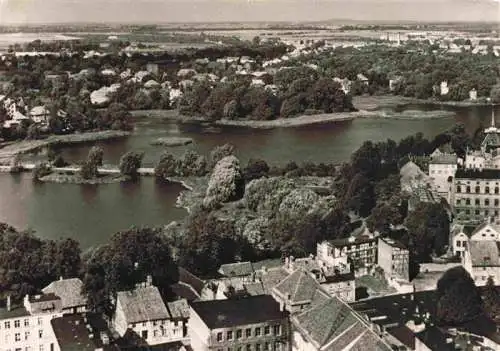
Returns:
(179, 309)
(298, 287)
(485, 253)
(69, 290)
(239, 269)
(487, 227)
(333, 325)
(491, 140)
(142, 304)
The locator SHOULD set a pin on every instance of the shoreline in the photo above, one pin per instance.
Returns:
(7, 153)
(377, 102)
(61, 178)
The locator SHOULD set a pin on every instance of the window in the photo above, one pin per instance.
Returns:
(267, 330)
(17, 323)
(459, 188)
(26, 322)
(219, 336)
(7, 325)
(144, 324)
(467, 201)
(17, 336)
(467, 190)
(496, 202)
(486, 202)
(26, 335)
(155, 333)
(277, 330)
(40, 348)
(40, 333)
(248, 332)
(229, 335)
(258, 347)
(249, 347)
(477, 212)
(496, 190)
(476, 202)
(154, 323)
(238, 334)
(459, 243)
(267, 347)
(144, 334)
(257, 331)
(487, 190)
(40, 320)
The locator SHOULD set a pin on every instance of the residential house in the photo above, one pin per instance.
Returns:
(394, 259)
(344, 83)
(362, 78)
(39, 114)
(473, 94)
(253, 323)
(70, 293)
(443, 88)
(459, 240)
(362, 250)
(27, 326)
(482, 260)
(142, 312)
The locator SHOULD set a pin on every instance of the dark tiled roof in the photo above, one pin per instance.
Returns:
(188, 278)
(43, 298)
(179, 309)
(484, 253)
(72, 333)
(230, 313)
(239, 269)
(184, 291)
(337, 278)
(16, 311)
(357, 241)
(271, 277)
(444, 159)
(477, 174)
(299, 286)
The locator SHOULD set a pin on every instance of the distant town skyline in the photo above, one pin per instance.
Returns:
(161, 11)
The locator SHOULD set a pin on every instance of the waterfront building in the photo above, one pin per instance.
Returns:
(394, 259)
(28, 326)
(251, 323)
(143, 313)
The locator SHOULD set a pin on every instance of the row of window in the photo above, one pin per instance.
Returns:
(477, 212)
(29, 348)
(258, 331)
(17, 336)
(155, 323)
(256, 347)
(461, 243)
(477, 202)
(477, 189)
(17, 323)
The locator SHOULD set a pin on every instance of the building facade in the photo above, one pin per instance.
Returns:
(362, 251)
(28, 327)
(394, 259)
(254, 323)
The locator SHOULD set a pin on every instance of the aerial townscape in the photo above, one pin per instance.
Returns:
(325, 185)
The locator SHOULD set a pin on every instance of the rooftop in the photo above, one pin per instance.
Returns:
(69, 290)
(179, 309)
(485, 253)
(444, 159)
(477, 174)
(15, 312)
(239, 269)
(298, 287)
(349, 241)
(229, 313)
(142, 304)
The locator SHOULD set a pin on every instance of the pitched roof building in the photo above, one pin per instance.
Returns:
(70, 293)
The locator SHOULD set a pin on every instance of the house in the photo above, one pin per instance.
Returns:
(251, 323)
(394, 259)
(28, 326)
(482, 260)
(70, 292)
(459, 240)
(39, 114)
(443, 88)
(151, 84)
(142, 312)
(362, 78)
(442, 169)
(108, 72)
(332, 325)
(473, 94)
(152, 68)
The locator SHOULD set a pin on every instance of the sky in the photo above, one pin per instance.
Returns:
(161, 11)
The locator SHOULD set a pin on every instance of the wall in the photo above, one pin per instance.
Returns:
(300, 344)
(466, 207)
(198, 332)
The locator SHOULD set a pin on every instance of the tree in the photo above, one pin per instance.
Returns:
(360, 195)
(94, 160)
(458, 299)
(219, 152)
(192, 164)
(167, 166)
(130, 162)
(429, 228)
(226, 182)
(128, 258)
(495, 93)
(255, 169)
(382, 216)
(491, 300)
(41, 170)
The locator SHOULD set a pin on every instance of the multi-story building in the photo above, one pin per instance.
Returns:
(142, 312)
(442, 168)
(361, 250)
(254, 323)
(394, 259)
(28, 327)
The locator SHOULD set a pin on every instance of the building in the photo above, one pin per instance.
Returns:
(142, 312)
(394, 259)
(362, 250)
(442, 169)
(331, 325)
(254, 323)
(459, 240)
(443, 88)
(27, 327)
(362, 78)
(70, 293)
(473, 95)
(482, 260)
(39, 114)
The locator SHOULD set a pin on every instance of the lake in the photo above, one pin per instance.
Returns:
(90, 214)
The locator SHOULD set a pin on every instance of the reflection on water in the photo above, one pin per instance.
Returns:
(91, 213)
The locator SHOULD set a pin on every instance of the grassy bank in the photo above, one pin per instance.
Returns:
(77, 179)
(373, 103)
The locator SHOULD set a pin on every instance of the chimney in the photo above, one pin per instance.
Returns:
(8, 303)
(60, 277)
